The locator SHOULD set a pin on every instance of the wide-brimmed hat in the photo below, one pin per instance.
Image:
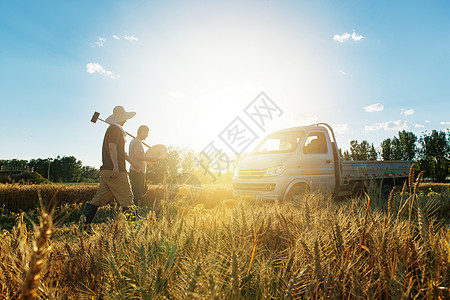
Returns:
(119, 115)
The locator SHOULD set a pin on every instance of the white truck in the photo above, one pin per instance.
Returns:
(289, 162)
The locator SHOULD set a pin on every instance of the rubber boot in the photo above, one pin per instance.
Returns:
(86, 218)
(89, 212)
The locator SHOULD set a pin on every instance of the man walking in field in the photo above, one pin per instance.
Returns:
(137, 155)
(114, 180)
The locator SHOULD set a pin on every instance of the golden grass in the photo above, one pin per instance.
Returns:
(316, 248)
(18, 197)
(38, 254)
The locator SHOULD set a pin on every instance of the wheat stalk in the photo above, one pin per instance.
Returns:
(422, 224)
(307, 215)
(40, 249)
(418, 181)
(339, 241)
(391, 200)
(317, 266)
(235, 276)
(403, 208)
(363, 235)
(404, 188)
(193, 282)
(289, 291)
(411, 176)
(253, 254)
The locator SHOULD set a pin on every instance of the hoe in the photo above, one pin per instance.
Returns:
(96, 116)
(157, 151)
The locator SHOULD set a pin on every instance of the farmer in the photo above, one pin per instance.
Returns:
(137, 155)
(114, 180)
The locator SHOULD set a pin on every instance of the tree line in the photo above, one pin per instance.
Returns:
(70, 169)
(429, 152)
(59, 169)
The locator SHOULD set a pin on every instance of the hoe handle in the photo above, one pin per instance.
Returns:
(96, 116)
(129, 134)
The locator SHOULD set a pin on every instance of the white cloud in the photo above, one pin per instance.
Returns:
(342, 72)
(418, 126)
(374, 107)
(100, 41)
(427, 121)
(445, 123)
(346, 36)
(357, 37)
(407, 112)
(92, 68)
(130, 38)
(340, 128)
(176, 95)
(341, 38)
(388, 126)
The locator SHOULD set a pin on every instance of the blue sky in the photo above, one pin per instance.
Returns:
(188, 68)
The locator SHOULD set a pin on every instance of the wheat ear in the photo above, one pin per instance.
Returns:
(411, 176)
(418, 181)
(391, 200)
(40, 249)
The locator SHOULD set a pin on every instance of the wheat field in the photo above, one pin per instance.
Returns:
(316, 247)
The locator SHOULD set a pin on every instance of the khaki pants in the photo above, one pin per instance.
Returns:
(118, 188)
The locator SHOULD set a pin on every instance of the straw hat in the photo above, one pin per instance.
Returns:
(119, 115)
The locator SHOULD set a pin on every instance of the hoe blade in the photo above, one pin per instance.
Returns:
(95, 117)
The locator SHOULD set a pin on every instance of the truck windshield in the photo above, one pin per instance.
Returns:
(279, 143)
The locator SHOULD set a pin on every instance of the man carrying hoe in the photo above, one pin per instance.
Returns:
(114, 180)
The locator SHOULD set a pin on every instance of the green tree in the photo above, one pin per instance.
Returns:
(402, 147)
(40, 166)
(14, 164)
(346, 155)
(166, 169)
(178, 161)
(396, 149)
(434, 154)
(65, 169)
(407, 145)
(362, 151)
(89, 174)
(386, 149)
(373, 154)
(188, 163)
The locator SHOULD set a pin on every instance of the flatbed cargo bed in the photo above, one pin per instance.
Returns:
(367, 169)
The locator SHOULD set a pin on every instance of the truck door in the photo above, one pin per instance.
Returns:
(318, 162)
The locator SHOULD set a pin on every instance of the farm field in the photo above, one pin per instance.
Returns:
(213, 246)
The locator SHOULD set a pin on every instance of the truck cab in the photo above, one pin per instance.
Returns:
(289, 161)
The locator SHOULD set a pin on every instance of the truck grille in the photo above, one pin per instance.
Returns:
(262, 187)
(251, 173)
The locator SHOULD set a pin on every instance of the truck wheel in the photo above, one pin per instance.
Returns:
(386, 191)
(297, 190)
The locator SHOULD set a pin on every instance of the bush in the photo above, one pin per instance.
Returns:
(4, 177)
(30, 178)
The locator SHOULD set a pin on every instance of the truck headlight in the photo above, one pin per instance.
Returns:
(275, 171)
